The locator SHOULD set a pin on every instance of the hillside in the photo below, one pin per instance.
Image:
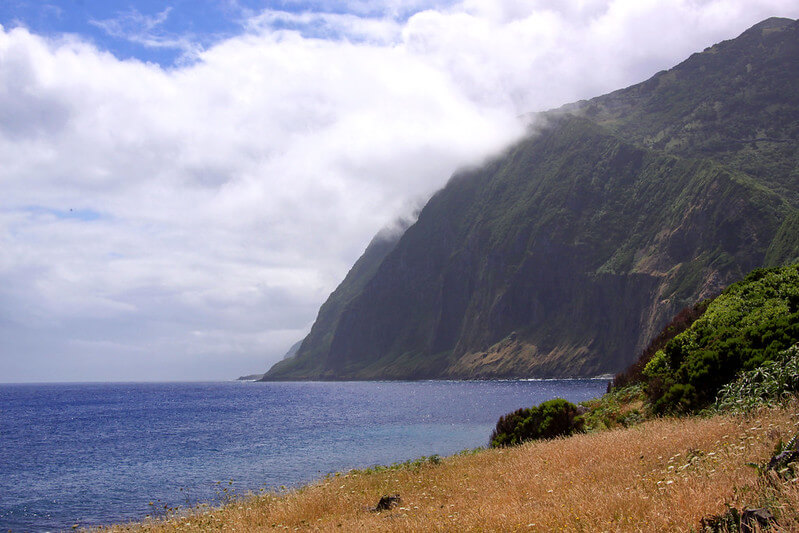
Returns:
(735, 103)
(567, 253)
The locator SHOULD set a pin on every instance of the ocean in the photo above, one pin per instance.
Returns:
(93, 454)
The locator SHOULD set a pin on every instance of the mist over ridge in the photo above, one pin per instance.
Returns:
(566, 254)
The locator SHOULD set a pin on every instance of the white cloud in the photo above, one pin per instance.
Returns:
(215, 205)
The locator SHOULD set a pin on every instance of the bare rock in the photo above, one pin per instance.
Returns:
(756, 520)
(387, 502)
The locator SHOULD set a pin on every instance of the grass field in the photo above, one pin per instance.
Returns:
(662, 475)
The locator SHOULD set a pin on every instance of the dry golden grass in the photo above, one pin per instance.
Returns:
(663, 475)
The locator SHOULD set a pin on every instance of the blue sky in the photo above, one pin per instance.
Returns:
(185, 183)
(148, 30)
(169, 33)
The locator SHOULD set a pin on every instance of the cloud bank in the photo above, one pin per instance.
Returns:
(187, 222)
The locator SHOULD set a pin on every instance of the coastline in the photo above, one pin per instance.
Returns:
(662, 475)
(262, 436)
(600, 377)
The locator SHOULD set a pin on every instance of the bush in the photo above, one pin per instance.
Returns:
(622, 407)
(554, 418)
(747, 325)
(771, 382)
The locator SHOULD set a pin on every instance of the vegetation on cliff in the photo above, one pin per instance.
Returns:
(736, 351)
(733, 103)
(747, 325)
(565, 255)
(705, 347)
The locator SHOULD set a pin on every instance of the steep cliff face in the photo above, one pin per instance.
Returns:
(736, 103)
(309, 357)
(563, 256)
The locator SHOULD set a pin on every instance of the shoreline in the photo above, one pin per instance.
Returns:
(662, 475)
(227, 429)
(600, 377)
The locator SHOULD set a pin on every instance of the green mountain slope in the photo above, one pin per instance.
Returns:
(737, 103)
(566, 254)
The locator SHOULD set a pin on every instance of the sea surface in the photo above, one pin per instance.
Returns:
(93, 454)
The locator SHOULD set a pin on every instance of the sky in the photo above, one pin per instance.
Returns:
(182, 184)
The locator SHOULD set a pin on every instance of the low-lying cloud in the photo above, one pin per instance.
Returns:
(187, 222)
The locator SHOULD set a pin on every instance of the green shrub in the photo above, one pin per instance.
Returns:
(621, 407)
(772, 381)
(748, 324)
(553, 418)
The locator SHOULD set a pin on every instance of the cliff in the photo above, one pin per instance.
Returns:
(567, 253)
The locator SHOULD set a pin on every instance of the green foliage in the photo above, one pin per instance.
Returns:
(773, 381)
(411, 464)
(748, 324)
(621, 407)
(553, 418)
(785, 246)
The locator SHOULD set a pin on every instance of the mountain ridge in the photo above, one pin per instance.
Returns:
(566, 253)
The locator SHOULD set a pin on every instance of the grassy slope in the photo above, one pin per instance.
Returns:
(663, 475)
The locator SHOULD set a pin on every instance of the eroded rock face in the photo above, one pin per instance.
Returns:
(566, 254)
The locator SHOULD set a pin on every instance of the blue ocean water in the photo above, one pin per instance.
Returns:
(94, 454)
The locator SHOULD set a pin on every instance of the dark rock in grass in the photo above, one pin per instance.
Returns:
(783, 465)
(782, 459)
(756, 520)
(732, 520)
(387, 502)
